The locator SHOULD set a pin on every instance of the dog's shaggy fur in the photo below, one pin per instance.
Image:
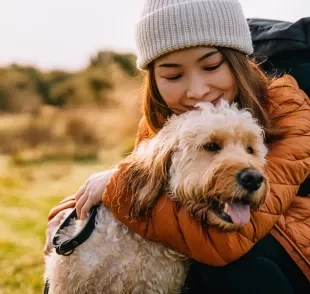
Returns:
(211, 160)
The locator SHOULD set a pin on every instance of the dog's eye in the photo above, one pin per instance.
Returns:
(213, 147)
(250, 150)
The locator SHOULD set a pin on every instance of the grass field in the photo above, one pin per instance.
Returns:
(26, 195)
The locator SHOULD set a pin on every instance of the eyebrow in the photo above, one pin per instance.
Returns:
(207, 55)
(198, 60)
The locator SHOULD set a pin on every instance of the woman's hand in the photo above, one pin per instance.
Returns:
(91, 191)
(52, 226)
(87, 196)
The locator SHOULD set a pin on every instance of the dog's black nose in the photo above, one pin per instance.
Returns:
(250, 179)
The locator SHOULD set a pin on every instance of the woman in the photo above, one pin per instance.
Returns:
(197, 51)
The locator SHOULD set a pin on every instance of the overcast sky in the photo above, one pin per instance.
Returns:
(64, 33)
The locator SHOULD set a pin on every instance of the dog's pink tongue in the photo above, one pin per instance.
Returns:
(239, 213)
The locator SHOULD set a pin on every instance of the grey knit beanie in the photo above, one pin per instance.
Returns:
(168, 25)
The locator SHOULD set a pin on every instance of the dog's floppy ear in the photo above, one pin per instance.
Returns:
(146, 172)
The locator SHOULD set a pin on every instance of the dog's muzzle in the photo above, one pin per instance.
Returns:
(237, 210)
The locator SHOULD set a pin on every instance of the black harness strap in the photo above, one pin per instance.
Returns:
(67, 247)
(46, 287)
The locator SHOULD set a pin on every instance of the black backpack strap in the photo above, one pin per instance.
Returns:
(67, 247)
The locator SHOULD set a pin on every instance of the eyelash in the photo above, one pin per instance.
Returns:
(213, 67)
(174, 78)
(205, 68)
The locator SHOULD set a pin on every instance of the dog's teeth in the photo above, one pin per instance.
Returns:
(226, 208)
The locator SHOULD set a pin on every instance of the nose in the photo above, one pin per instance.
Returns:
(250, 179)
(197, 88)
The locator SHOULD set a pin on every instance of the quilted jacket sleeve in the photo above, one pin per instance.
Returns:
(288, 166)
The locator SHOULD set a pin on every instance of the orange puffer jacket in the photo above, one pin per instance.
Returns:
(284, 214)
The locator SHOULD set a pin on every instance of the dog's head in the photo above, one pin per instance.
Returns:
(210, 159)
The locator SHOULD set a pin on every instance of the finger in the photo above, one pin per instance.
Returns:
(56, 220)
(80, 192)
(86, 208)
(79, 205)
(98, 175)
(94, 176)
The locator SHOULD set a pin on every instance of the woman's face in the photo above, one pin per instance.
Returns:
(189, 76)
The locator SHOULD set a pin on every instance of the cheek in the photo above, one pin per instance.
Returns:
(233, 90)
(170, 92)
(228, 84)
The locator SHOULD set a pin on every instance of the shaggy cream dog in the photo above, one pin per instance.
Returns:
(211, 160)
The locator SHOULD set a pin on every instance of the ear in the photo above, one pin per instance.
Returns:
(146, 173)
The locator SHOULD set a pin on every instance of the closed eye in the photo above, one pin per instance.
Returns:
(211, 68)
(174, 78)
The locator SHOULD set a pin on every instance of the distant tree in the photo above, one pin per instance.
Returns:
(99, 84)
(127, 63)
(52, 79)
(18, 90)
(25, 88)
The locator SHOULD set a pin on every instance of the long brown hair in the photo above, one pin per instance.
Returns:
(253, 94)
